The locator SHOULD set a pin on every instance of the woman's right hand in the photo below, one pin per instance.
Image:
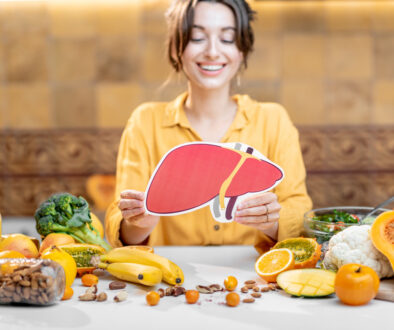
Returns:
(131, 205)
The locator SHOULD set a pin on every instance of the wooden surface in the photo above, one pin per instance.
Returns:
(346, 165)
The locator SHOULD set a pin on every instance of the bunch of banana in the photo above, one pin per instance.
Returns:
(136, 265)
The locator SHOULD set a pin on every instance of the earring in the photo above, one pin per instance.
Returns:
(238, 80)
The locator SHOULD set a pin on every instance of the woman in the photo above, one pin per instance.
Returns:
(209, 42)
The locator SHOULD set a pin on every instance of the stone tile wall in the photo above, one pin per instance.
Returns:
(71, 73)
(89, 63)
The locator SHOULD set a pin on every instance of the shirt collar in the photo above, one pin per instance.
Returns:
(175, 112)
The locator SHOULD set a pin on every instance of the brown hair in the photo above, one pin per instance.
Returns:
(180, 18)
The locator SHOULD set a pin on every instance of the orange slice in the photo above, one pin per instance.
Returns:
(272, 263)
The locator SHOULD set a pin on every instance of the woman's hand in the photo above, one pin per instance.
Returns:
(131, 205)
(137, 224)
(261, 212)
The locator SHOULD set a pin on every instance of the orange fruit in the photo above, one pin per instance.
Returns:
(356, 284)
(89, 280)
(232, 299)
(68, 293)
(192, 296)
(20, 243)
(55, 239)
(269, 265)
(65, 260)
(230, 283)
(152, 298)
(11, 254)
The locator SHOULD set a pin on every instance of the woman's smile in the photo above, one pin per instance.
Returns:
(211, 69)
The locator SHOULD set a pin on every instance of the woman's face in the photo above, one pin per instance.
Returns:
(211, 58)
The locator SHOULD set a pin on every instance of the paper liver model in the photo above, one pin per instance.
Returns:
(193, 175)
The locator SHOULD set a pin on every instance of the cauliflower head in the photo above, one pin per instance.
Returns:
(353, 245)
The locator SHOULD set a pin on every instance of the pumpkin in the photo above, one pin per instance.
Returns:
(101, 189)
(382, 235)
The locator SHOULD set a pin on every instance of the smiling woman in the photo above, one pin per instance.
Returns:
(208, 42)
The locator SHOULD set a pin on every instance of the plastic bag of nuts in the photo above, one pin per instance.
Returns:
(31, 281)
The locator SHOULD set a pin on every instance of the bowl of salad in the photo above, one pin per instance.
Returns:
(325, 222)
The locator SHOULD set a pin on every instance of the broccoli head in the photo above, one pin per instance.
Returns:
(67, 214)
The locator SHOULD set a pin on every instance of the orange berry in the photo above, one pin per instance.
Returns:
(68, 293)
(152, 298)
(232, 299)
(230, 283)
(89, 280)
(192, 296)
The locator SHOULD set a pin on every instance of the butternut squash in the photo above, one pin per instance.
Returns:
(382, 235)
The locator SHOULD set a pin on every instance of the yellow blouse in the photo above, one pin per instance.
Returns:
(154, 128)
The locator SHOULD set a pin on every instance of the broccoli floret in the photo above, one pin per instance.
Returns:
(67, 214)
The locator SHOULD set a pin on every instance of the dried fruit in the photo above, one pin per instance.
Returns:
(250, 282)
(192, 296)
(203, 289)
(152, 298)
(230, 283)
(256, 295)
(117, 285)
(272, 263)
(248, 300)
(121, 296)
(244, 289)
(87, 297)
(89, 280)
(102, 297)
(68, 293)
(232, 299)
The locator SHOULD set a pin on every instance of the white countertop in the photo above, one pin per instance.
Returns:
(201, 265)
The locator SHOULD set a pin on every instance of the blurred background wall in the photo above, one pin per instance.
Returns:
(71, 73)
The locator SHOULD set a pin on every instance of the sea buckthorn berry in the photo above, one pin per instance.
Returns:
(230, 283)
(192, 296)
(89, 280)
(152, 298)
(232, 299)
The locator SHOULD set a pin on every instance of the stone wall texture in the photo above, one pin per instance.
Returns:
(71, 73)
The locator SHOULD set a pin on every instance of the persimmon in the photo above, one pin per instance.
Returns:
(230, 283)
(152, 298)
(232, 299)
(192, 296)
(356, 284)
(89, 280)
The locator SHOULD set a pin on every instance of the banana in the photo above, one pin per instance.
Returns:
(136, 273)
(172, 274)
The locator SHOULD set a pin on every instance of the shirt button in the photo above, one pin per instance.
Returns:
(216, 227)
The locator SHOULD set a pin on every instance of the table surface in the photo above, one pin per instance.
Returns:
(201, 265)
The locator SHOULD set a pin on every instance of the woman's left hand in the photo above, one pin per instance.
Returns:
(259, 211)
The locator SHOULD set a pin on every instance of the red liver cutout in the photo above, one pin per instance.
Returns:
(192, 175)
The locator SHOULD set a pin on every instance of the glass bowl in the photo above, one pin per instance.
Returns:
(323, 230)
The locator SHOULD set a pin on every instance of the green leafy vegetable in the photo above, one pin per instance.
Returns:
(68, 214)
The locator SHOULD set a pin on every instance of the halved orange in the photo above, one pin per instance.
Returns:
(269, 265)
